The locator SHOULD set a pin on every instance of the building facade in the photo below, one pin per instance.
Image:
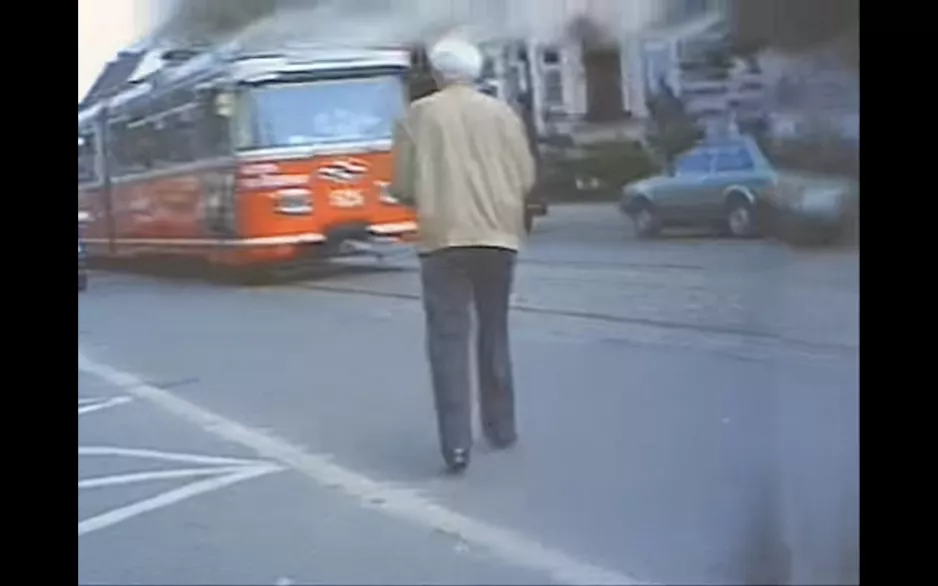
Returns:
(596, 76)
(585, 66)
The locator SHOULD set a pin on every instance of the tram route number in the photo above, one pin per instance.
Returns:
(346, 198)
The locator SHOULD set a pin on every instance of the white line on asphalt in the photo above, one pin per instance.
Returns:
(510, 546)
(105, 404)
(86, 400)
(135, 477)
(166, 456)
(172, 497)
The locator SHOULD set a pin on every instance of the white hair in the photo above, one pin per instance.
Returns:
(455, 60)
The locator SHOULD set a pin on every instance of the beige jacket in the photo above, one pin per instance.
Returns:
(463, 159)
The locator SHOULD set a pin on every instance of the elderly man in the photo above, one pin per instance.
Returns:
(462, 158)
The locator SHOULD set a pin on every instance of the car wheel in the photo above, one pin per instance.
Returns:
(740, 218)
(647, 222)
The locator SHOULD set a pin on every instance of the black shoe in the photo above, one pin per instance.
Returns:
(457, 460)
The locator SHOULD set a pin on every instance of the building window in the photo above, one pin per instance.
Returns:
(551, 57)
(516, 85)
(553, 87)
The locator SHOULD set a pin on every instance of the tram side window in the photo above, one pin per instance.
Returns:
(156, 144)
(130, 146)
(87, 157)
(118, 147)
(178, 138)
(153, 140)
(144, 146)
(138, 148)
(186, 136)
(214, 133)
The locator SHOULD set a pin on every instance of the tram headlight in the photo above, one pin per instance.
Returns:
(384, 194)
(293, 202)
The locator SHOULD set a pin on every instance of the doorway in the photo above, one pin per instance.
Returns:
(604, 101)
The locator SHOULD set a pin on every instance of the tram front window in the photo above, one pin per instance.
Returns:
(324, 111)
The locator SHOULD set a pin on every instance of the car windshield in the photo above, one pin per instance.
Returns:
(329, 111)
(734, 159)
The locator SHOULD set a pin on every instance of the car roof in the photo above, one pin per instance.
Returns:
(725, 143)
(714, 145)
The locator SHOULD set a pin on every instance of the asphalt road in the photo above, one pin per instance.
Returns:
(159, 502)
(688, 411)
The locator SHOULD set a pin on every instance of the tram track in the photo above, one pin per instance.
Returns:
(755, 335)
(587, 264)
(413, 265)
(317, 278)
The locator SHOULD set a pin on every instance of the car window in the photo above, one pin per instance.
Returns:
(735, 159)
(694, 163)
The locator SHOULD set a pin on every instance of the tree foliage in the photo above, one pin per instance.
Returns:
(672, 129)
(797, 25)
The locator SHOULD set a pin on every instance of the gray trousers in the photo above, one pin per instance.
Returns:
(454, 278)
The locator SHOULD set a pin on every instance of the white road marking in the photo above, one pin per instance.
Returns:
(224, 471)
(172, 497)
(165, 456)
(86, 400)
(90, 407)
(510, 546)
(135, 477)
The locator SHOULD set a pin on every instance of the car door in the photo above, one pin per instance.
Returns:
(732, 166)
(687, 189)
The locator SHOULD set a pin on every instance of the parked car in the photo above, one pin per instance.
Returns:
(724, 184)
(815, 209)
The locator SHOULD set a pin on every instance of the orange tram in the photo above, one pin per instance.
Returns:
(246, 163)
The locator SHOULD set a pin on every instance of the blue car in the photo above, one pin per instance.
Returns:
(723, 184)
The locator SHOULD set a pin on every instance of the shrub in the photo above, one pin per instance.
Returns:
(616, 164)
(611, 164)
(815, 155)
